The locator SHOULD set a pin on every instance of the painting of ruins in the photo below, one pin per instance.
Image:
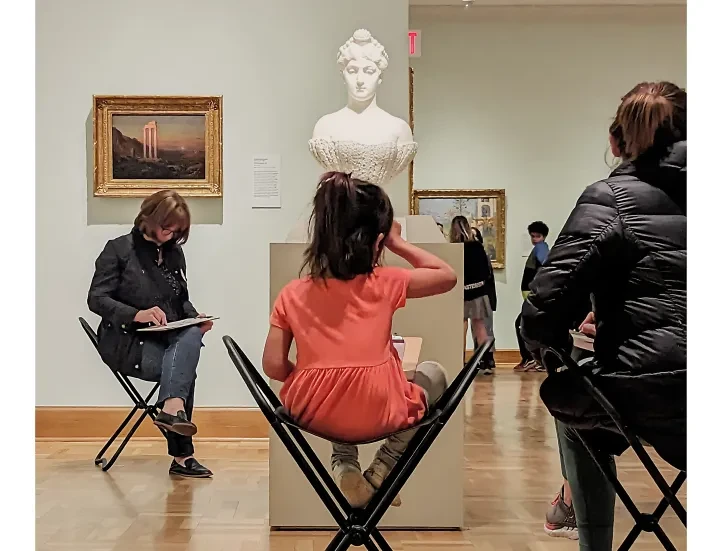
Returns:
(144, 144)
(484, 208)
(159, 147)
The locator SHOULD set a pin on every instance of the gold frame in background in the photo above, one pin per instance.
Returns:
(104, 107)
(411, 125)
(498, 194)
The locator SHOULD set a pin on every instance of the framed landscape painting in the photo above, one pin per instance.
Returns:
(143, 144)
(484, 208)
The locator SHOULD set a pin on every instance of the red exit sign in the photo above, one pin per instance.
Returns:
(414, 43)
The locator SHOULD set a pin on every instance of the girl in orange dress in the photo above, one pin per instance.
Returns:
(348, 382)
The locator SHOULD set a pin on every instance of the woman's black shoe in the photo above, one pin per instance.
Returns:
(191, 469)
(177, 423)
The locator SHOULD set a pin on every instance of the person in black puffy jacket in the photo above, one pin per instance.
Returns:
(625, 244)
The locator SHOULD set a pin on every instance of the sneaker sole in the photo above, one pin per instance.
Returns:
(184, 429)
(563, 532)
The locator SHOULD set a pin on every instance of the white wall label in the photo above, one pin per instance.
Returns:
(415, 43)
(266, 182)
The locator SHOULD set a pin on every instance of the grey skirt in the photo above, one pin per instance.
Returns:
(477, 309)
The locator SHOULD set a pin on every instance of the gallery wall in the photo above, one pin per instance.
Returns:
(274, 63)
(521, 99)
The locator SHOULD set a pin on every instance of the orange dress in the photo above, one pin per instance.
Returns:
(348, 382)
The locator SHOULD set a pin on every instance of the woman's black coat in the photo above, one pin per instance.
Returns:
(127, 279)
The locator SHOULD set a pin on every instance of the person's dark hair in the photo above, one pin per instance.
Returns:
(460, 230)
(538, 227)
(348, 217)
(476, 233)
(164, 209)
(651, 117)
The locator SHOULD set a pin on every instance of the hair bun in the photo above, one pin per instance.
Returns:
(361, 36)
(362, 45)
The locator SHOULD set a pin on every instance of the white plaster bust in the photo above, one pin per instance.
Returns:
(362, 139)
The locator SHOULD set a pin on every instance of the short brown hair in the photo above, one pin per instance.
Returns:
(163, 209)
(652, 116)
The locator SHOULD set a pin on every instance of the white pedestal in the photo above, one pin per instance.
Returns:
(433, 496)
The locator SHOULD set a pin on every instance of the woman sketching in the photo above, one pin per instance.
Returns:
(140, 281)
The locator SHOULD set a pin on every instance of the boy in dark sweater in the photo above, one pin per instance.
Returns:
(538, 232)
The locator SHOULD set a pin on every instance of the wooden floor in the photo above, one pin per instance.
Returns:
(512, 472)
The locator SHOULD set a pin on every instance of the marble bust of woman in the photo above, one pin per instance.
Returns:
(361, 138)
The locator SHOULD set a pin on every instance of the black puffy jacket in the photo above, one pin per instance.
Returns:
(625, 244)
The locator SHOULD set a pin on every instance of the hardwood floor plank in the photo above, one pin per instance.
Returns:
(511, 466)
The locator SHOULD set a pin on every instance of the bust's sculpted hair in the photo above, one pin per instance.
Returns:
(362, 46)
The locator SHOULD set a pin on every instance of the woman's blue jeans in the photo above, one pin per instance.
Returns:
(172, 358)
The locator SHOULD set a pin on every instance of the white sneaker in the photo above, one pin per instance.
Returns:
(376, 474)
(353, 485)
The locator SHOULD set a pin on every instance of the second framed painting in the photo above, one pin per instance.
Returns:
(484, 208)
(143, 144)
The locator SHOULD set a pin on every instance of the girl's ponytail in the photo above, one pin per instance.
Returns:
(348, 216)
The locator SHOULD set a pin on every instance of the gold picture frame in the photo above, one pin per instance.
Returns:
(187, 158)
(411, 125)
(484, 208)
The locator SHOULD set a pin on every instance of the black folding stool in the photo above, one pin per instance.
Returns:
(356, 526)
(647, 522)
(141, 404)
